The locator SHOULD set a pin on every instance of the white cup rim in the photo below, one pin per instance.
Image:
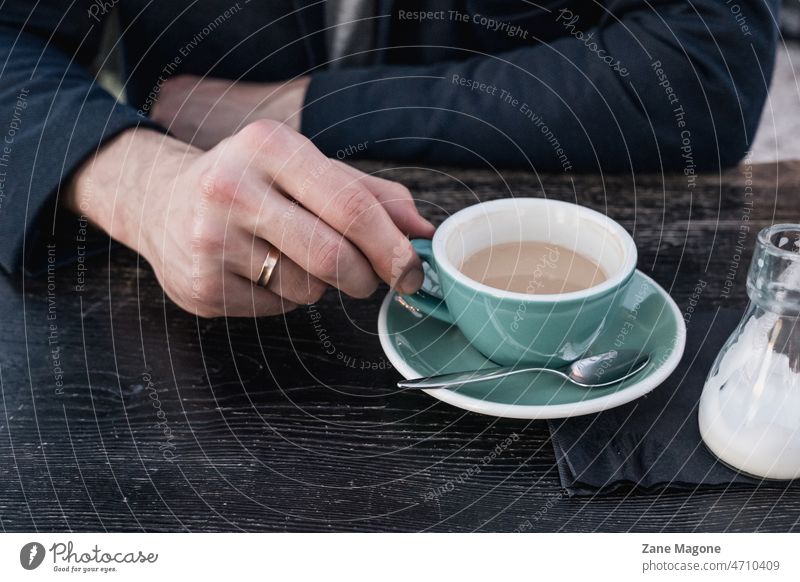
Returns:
(466, 214)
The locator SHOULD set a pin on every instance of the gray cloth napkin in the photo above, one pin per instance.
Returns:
(653, 442)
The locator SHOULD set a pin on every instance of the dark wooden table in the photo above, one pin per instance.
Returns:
(121, 413)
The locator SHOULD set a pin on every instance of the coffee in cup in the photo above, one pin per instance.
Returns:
(532, 267)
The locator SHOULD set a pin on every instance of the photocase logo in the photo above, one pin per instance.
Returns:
(31, 555)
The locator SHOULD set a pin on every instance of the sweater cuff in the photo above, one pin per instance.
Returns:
(347, 107)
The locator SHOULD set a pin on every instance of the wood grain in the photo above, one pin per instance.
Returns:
(262, 430)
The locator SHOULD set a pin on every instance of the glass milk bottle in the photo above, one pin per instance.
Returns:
(750, 407)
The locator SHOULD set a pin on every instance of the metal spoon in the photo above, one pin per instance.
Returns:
(590, 372)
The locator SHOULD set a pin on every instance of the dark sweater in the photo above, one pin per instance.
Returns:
(554, 86)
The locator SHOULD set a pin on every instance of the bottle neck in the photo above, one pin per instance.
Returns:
(773, 281)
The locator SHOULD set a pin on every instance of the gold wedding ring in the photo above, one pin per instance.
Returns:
(269, 266)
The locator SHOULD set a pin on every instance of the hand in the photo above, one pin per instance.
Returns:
(205, 220)
(203, 110)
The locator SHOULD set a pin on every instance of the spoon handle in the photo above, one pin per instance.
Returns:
(469, 377)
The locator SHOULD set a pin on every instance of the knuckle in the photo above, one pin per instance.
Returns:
(207, 240)
(327, 259)
(355, 203)
(263, 133)
(219, 186)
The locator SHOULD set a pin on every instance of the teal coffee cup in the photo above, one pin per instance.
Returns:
(510, 327)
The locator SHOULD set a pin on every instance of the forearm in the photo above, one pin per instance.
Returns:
(114, 188)
(580, 102)
(57, 117)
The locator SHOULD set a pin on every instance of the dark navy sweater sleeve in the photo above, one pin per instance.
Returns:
(52, 115)
(670, 85)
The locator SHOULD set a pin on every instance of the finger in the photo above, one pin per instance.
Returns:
(240, 298)
(397, 201)
(291, 282)
(288, 279)
(303, 172)
(312, 245)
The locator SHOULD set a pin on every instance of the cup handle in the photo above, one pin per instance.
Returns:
(422, 300)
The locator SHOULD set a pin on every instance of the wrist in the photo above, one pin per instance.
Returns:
(117, 188)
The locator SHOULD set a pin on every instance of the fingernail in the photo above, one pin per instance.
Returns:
(411, 281)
